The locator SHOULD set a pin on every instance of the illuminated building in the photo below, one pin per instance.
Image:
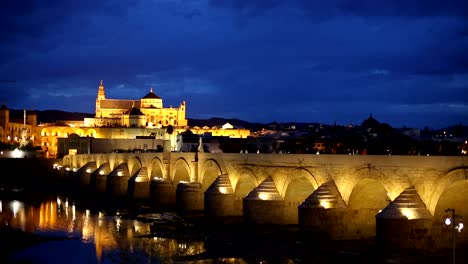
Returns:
(147, 111)
(17, 131)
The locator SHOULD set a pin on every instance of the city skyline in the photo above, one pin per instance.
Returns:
(259, 61)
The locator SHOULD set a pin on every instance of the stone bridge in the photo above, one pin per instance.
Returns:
(332, 196)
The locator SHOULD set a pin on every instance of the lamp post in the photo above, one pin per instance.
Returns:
(454, 221)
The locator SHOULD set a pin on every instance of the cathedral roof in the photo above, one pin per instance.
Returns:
(151, 95)
(119, 104)
(134, 111)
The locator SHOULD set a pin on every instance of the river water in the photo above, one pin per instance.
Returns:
(60, 228)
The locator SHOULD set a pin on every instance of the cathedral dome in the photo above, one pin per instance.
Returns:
(151, 95)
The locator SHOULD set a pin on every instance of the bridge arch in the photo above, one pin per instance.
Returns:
(156, 169)
(134, 164)
(209, 172)
(181, 171)
(101, 159)
(299, 184)
(103, 169)
(450, 190)
(245, 183)
(368, 193)
(367, 190)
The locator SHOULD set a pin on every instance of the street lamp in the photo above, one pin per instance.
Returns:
(455, 222)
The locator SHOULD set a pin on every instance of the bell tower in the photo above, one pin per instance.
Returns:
(100, 96)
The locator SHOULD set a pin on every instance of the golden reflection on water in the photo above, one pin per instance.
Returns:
(110, 234)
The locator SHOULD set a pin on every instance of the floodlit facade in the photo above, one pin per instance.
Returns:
(147, 111)
(18, 131)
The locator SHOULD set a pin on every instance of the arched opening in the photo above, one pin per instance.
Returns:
(211, 171)
(134, 165)
(298, 189)
(181, 172)
(156, 169)
(453, 197)
(368, 194)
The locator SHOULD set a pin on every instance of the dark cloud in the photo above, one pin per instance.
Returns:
(331, 8)
(321, 61)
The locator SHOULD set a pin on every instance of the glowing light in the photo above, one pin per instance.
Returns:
(59, 202)
(223, 190)
(157, 178)
(117, 223)
(182, 246)
(325, 204)
(119, 173)
(15, 206)
(141, 179)
(101, 172)
(409, 213)
(67, 169)
(448, 221)
(263, 196)
(460, 227)
(1, 206)
(75, 169)
(87, 213)
(17, 153)
(88, 170)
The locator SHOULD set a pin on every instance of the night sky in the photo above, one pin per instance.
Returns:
(334, 61)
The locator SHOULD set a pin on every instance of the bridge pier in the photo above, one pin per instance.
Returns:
(117, 181)
(117, 186)
(189, 197)
(220, 198)
(405, 224)
(337, 223)
(139, 185)
(263, 212)
(98, 182)
(84, 175)
(162, 194)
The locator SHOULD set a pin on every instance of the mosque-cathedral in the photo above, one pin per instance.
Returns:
(146, 112)
(117, 124)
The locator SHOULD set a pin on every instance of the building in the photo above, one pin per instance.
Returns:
(148, 111)
(14, 130)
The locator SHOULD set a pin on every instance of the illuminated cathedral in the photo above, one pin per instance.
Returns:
(148, 111)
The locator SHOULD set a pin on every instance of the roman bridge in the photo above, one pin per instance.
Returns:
(337, 196)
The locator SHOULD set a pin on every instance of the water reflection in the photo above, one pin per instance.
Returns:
(114, 237)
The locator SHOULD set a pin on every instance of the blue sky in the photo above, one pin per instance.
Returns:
(406, 62)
